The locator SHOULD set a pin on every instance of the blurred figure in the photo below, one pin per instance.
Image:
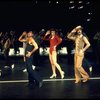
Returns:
(97, 47)
(6, 48)
(70, 46)
(14, 40)
(36, 56)
(87, 65)
(1, 40)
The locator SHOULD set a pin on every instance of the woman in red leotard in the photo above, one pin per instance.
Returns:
(55, 40)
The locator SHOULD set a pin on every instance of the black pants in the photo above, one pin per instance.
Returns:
(86, 64)
(98, 54)
(69, 55)
(36, 58)
(32, 74)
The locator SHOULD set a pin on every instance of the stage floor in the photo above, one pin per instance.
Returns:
(14, 85)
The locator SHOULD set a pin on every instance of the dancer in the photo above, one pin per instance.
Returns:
(31, 47)
(97, 47)
(55, 40)
(24, 36)
(81, 45)
(6, 48)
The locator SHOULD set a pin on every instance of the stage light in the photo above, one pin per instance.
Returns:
(49, 1)
(71, 2)
(81, 7)
(88, 19)
(80, 2)
(36, 2)
(88, 3)
(57, 2)
(72, 7)
(89, 13)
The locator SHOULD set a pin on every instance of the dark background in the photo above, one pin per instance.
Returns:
(35, 15)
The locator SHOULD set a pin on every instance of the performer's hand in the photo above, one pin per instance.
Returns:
(81, 52)
(47, 33)
(73, 31)
(28, 54)
(24, 33)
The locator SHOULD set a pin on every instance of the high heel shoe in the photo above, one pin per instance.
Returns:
(62, 75)
(53, 76)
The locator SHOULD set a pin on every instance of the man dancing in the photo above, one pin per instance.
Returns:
(81, 45)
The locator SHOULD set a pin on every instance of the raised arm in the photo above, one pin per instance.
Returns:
(21, 39)
(7, 43)
(45, 36)
(71, 35)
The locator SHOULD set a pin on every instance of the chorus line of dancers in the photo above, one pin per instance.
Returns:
(31, 43)
(81, 45)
